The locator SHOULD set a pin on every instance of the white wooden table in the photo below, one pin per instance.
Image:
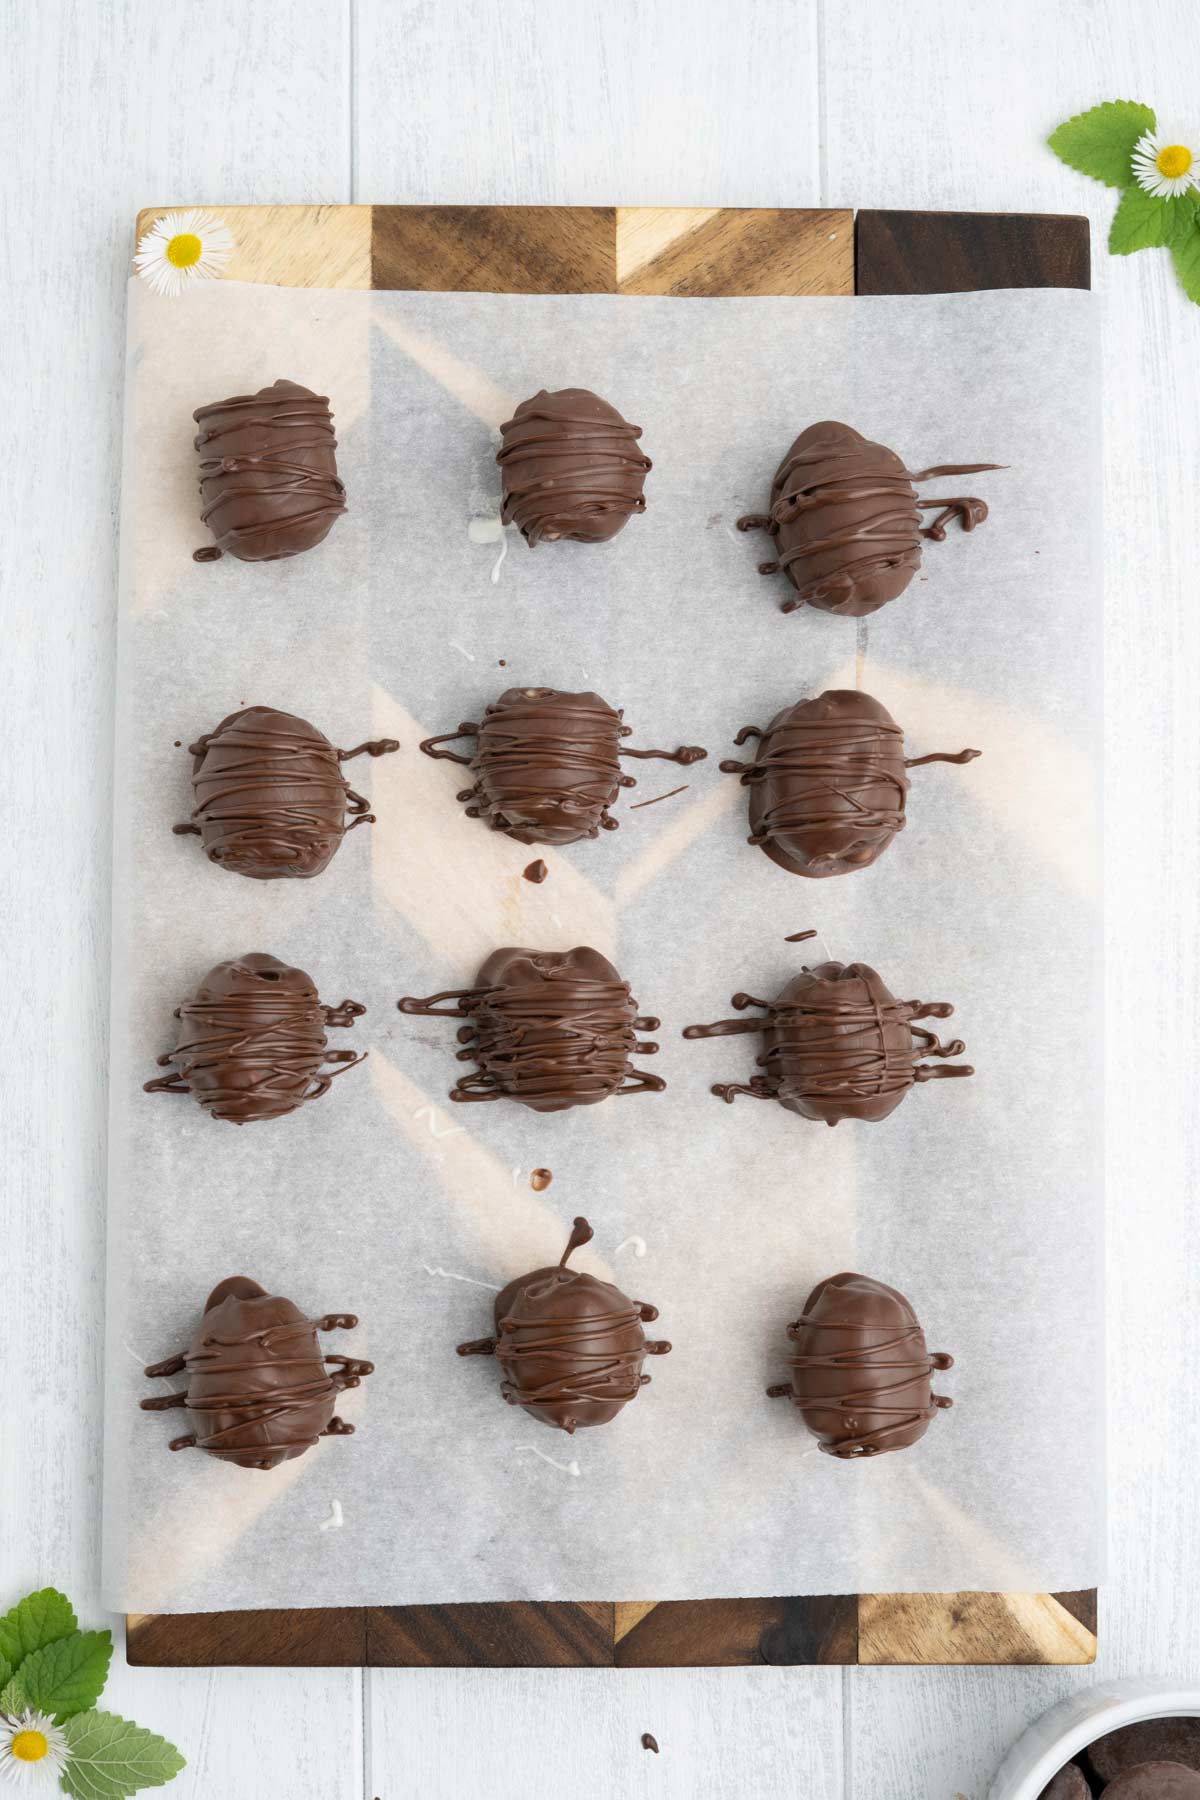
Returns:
(112, 104)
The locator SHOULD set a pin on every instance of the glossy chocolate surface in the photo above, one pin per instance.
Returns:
(547, 764)
(838, 1045)
(252, 1042)
(269, 484)
(259, 1390)
(570, 1347)
(860, 1369)
(571, 468)
(828, 783)
(271, 799)
(846, 520)
(551, 1029)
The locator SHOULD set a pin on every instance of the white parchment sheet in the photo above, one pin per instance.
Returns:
(980, 1199)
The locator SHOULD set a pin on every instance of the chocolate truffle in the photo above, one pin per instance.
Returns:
(838, 1045)
(860, 1369)
(847, 522)
(1148, 1740)
(828, 783)
(551, 1029)
(546, 764)
(570, 1347)
(271, 798)
(1155, 1781)
(1069, 1784)
(252, 1042)
(268, 473)
(258, 1390)
(571, 468)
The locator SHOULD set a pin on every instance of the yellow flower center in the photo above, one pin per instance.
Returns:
(1174, 160)
(29, 1746)
(186, 249)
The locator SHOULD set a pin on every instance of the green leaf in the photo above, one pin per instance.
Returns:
(34, 1622)
(1187, 263)
(1142, 222)
(1100, 143)
(12, 1698)
(5, 1674)
(111, 1758)
(66, 1677)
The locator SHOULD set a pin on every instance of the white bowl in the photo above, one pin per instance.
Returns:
(1077, 1721)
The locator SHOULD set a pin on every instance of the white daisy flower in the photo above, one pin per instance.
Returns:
(33, 1753)
(183, 247)
(1165, 170)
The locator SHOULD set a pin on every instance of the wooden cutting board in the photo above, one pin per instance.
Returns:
(696, 252)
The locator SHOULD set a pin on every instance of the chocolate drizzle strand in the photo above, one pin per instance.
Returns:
(828, 783)
(551, 1029)
(846, 520)
(860, 1369)
(268, 473)
(571, 468)
(838, 1045)
(271, 799)
(547, 764)
(259, 1391)
(252, 1042)
(570, 1347)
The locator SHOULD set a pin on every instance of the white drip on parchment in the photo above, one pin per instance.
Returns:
(571, 1468)
(490, 531)
(335, 1521)
(449, 1275)
(636, 1244)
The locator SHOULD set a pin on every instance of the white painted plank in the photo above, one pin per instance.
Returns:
(934, 105)
(594, 102)
(540, 1734)
(112, 107)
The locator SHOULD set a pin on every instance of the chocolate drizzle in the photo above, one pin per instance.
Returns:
(570, 1347)
(253, 1042)
(271, 799)
(571, 468)
(268, 473)
(828, 783)
(551, 1029)
(846, 520)
(259, 1392)
(547, 764)
(860, 1369)
(838, 1045)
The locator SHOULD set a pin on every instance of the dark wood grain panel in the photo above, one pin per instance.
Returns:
(495, 249)
(313, 1637)
(959, 253)
(516, 1635)
(741, 1633)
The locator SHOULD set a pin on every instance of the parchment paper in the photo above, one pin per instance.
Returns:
(980, 1199)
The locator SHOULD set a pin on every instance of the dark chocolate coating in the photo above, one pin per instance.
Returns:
(268, 473)
(1070, 1783)
(551, 1029)
(546, 764)
(570, 1347)
(252, 1042)
(860, 1369)
(1149, 1740)
(1155, 1781)
(271, 799)
(846, 520)
(571, 468)
(258, 1390)
(828, 783)
(838, 1045)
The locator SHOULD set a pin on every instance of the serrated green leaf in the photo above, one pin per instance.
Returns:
(1142, 222)
(34, 1622)
(5, 1674)
(12, 1698)
(1100, 143)
(1187, 263)
(110, 1757)
(66, 1677)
